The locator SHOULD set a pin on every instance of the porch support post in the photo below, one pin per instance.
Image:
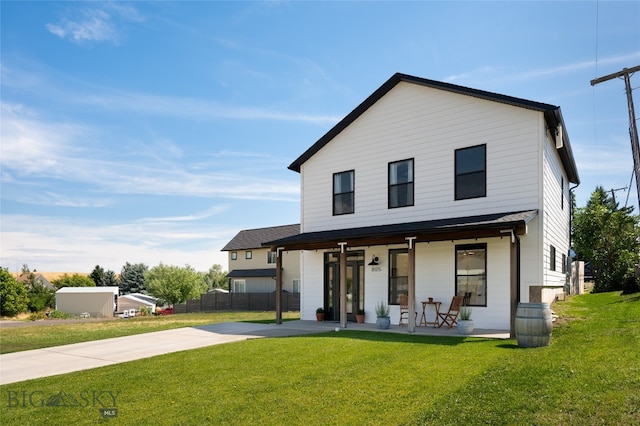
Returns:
(279, 285)
(343, 285)
(411, 296)
(514, 274)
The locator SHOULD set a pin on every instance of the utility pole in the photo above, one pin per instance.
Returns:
(633, 130)
(613, 193)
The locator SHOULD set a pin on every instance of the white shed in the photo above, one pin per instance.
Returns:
(136, 301)
(99, 302)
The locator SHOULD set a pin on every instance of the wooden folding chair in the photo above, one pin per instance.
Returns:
(403, 301)
(450, 318)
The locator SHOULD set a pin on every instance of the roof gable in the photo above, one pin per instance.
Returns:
(254, 238)
(552, 115)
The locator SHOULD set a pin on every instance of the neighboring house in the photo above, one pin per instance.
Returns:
(25, 278)
(433, 190)
(136, 301)
(252, 267)
(99, 302)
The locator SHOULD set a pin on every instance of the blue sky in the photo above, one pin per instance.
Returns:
(155, 131)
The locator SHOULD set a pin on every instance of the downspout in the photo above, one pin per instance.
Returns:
(517, 238)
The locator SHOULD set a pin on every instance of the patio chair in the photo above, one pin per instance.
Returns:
(403, 301)
(450, 318)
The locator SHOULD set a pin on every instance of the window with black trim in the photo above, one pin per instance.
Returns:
(471, 273)
(248, 254)
(398, 274)
(234, 255)
(471, 172)
(564, 263)
(552, 258)
(401, 183)
(343, 192)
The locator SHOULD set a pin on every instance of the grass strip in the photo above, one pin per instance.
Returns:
(590, 374)
(48, 333)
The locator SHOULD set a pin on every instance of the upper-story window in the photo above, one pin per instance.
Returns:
(271, 257)
(471, 172)
(343, 192)
(401, 183)
(248, 254)
(234, 255)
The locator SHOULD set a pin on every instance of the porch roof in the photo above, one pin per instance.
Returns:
(252, 273)
(481, 226)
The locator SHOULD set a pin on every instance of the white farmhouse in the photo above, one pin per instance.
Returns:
(429, 189)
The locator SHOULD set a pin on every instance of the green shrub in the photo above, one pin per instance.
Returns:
(60, 315)
(35, 316)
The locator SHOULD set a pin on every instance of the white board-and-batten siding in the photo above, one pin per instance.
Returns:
(557, 213)
(427, 125)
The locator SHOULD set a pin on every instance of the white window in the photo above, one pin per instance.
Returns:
(271, 257)
(296, 286)
(239, 286)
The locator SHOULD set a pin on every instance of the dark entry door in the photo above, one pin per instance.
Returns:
(354, 282)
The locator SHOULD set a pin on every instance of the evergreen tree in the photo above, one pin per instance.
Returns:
(132, 278)
(608, 237)
(97, 275)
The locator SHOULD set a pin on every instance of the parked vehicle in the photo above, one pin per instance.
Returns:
(165, 311)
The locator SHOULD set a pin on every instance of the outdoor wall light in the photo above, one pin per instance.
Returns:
(374, 260)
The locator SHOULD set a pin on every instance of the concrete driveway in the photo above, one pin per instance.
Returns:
(26, 365)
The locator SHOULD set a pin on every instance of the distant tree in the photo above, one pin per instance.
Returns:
(13, 295)
(75, 280)
(132, 278)
(40, 297)
(25, 269)
(215, 277)
(173, 284)
(608, 237)
(111, 279)
(97, 275)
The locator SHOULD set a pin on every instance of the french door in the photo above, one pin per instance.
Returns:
(354, 282)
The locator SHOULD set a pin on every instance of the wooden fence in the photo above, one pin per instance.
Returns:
(239, 302)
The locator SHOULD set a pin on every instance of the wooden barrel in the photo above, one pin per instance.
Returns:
(533, 325)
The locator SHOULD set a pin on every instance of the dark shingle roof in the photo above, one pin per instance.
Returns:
(255, 238)
(457, 227)
(552, 115)
(252, 273)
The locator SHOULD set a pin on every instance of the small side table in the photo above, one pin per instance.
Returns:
(423, 319)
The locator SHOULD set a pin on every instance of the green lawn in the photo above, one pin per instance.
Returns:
(589, 375)
(40, 334)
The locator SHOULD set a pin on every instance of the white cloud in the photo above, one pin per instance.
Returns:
(33, 147)
(193, 108)
(497, 74)
(103, 24)
(62, 244)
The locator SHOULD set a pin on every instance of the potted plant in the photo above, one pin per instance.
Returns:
(465, 323)
(360, 316)
(320, 314)
(382, 312)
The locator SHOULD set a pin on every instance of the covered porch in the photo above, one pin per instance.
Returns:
(330, 326)
(501, 225)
